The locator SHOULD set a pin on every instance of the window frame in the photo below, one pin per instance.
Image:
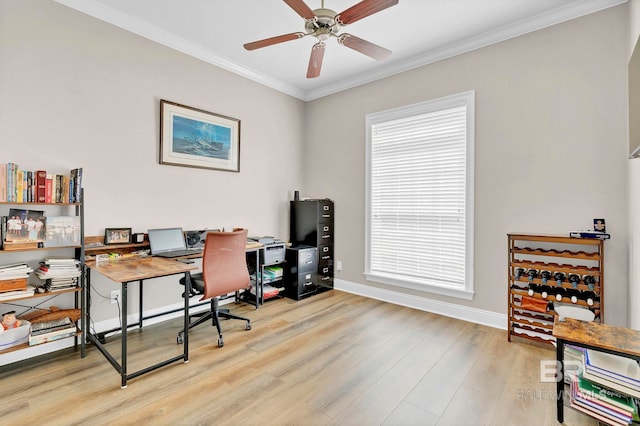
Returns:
(461, 99)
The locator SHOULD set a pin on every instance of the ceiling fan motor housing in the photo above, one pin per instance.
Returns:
(324, 25)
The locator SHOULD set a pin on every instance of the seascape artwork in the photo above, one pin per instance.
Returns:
(193, 137)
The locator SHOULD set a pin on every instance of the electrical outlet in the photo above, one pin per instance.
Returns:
(115, 296)
(338, 265)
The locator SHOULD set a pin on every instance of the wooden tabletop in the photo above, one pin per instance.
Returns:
(604, 336)
(139, 269)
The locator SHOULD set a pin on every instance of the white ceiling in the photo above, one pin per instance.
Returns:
(418, 32)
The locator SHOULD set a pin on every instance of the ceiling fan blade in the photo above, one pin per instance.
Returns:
(362, 10)
(273, 40)
(301, 8)
(363, 46)
(315, 61)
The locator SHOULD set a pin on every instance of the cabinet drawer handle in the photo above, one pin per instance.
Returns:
(326, 236)
(325, 257)
(326, 278)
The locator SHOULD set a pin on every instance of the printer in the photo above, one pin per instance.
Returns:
(272, 250)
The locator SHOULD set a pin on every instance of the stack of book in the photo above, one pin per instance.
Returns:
(14, 277)
(59, 273)
(607, 388)
(43, 332)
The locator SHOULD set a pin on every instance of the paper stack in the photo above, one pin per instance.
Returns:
(59, 273)
(14, 277)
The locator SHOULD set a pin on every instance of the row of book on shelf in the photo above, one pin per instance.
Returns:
(53, 274)
(39, 186)
(607, 387)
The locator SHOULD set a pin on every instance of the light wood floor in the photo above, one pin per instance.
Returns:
(332, 359)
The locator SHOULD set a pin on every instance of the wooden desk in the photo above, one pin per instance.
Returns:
(591, 335)
(125, 272)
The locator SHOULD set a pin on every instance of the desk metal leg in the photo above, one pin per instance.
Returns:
(123, 368)
(560, 380)
(140, 298)
(187, 292)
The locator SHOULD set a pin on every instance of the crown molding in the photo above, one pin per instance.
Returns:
(562, 14)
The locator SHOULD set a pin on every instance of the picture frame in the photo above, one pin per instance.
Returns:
(25, 225)
(192, 137)
(117, 236)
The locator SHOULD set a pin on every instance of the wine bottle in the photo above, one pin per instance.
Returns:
(559, 277)
(573, 294)
(533, 288)
(589, 297)
(590, 281)
(545, 275)
(574, 279)
(532, 273)
(545, 291)
(520, 272)
(560, 292)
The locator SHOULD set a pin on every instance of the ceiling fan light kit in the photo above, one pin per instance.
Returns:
(324, 23)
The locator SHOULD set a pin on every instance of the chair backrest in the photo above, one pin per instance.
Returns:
(224, 265)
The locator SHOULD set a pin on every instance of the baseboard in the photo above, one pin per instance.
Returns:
(478, 316)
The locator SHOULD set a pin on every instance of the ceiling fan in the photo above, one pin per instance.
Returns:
(323, 23)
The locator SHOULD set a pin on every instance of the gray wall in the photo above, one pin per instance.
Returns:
(77, 92)
(551, 147)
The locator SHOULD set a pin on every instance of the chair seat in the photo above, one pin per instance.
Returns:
(197, 283)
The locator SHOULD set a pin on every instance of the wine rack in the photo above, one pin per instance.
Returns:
(543, 269)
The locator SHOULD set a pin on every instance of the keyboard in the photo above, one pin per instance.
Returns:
(178, 253)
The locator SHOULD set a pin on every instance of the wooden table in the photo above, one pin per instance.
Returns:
(128, 271)
(591, 335)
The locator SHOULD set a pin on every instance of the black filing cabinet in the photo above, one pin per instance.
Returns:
(301, 272)
(312, 225)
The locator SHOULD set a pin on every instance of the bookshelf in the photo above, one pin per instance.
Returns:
(32, 255)
(533, 262)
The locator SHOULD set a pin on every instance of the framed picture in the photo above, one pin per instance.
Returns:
(192, 137)
(25, 226)
(62, 231)
(117, 235)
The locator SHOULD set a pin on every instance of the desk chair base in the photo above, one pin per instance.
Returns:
(214, 314)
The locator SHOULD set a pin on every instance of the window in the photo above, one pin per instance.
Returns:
(419, 219)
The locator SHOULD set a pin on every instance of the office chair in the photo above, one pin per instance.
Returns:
(224, 270)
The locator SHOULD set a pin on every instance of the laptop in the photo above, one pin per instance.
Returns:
(169, 242)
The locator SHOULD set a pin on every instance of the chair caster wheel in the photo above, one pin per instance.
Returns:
(220, 342)
(248, 327)
(180, 338)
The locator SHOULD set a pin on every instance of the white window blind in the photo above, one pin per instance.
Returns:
(418, 185)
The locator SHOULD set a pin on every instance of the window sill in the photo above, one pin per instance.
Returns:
(456, 292)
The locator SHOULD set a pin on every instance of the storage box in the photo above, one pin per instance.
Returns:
(15, 336)
(13, 284)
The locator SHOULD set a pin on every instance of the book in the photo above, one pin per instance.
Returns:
(590, 234)
(593, 410)
(609, 398)
(13, 284)
(19, 186)
(617, 368)
(16, 294)
(52, 336)
(3, 183)
(49, 188)
(41, 186)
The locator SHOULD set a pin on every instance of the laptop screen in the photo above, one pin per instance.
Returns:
(166, 239)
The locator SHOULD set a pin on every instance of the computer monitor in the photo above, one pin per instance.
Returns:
(166, 239)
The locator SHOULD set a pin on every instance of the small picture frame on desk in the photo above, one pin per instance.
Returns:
(117, 235)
